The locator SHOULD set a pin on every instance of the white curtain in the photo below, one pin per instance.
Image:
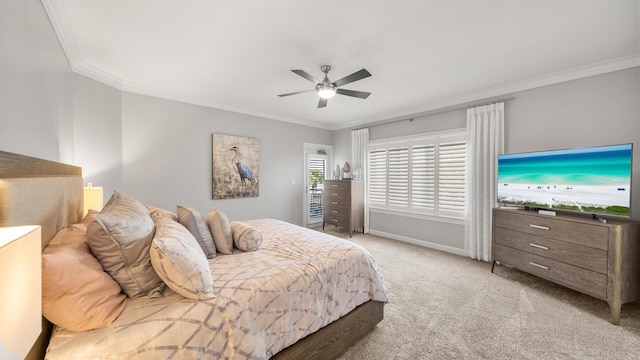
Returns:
(359, 156)
(485, 140)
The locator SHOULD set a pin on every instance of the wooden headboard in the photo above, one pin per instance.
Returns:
(39, 192)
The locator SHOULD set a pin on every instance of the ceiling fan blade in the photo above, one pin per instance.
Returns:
(358, 94)
(307, 76)
(353, 77)
(322, 103)
(297, 92)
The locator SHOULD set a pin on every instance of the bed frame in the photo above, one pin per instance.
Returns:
(40, 192)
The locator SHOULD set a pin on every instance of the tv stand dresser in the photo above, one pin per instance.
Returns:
(601, 259)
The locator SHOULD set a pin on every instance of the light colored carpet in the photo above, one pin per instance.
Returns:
(445, 306)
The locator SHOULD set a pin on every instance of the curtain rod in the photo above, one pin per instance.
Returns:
(442, 110)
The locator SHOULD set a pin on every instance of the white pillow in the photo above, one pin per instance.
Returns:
(179, 261)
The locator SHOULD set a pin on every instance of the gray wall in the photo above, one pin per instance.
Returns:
(36, 100)
(98, 132)
(599, 110)
(166, 147)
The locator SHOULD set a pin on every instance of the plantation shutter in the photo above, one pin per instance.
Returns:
(378, 177)
(423, 179)
(422, 175)
(398, 178)
(451, 178)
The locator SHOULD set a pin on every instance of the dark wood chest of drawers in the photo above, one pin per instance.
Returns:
(343, 204)
(595, 258)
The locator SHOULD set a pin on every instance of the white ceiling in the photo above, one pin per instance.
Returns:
(423, 54)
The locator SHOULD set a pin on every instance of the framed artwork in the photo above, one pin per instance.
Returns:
(235, 166)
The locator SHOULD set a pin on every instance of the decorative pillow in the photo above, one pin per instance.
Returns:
(120, 237)
(195, 223)
(156, 212)
(76, 293)
(245, 237)
(180, 262)
(218, 224)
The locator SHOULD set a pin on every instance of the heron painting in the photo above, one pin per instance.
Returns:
(236, 166)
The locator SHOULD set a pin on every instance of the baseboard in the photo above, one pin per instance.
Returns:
(427, 244)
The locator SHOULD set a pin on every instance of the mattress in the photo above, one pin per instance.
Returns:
(297, 282)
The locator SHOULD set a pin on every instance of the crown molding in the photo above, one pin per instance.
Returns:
(623, 63)
(57, 15)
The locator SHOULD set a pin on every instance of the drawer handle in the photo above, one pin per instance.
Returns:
(538, 265)
(334, 203)
(334, 220)
(334, 185)
(539, 227)
(334, 211)
(333, 194)
(538, 246)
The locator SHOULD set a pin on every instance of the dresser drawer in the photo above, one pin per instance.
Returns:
(578, 255)
(591, 235)
(583, 280)
(337, 211)
(339, 220)
(334, 202)
(336, 195)
(337, 185)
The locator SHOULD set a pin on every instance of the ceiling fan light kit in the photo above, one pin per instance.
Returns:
(327, 89)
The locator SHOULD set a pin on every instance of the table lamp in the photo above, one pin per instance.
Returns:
(93, 198)
(20, 290)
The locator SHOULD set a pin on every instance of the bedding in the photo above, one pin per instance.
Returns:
(220, 228)
(296, 282)
(76, 292)
(245, 237)
(120, 237)
(178, 259)
(195, 223)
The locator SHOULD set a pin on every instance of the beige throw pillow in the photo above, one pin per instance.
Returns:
(195, 223)
(76, 293)
(245, 237)
(179, 261)
(156, 212)
(120, 237)
(220, 228)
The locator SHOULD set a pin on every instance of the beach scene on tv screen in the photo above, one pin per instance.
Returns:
(591, 180)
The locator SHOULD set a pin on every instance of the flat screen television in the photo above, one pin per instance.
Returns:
(594, 180)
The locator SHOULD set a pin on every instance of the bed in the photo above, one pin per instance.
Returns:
(245, 319)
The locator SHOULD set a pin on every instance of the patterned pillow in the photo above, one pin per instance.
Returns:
(245, 237)
(76, 293)
(179, 261)
(194, 222)
(218, 224)
(120, 237)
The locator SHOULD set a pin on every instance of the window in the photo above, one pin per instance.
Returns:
(421, 174)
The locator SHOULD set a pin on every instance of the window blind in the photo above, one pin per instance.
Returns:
(422, 174)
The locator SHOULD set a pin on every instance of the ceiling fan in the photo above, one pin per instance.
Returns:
(326, 89)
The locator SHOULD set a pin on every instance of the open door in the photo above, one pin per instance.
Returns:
(316, 169)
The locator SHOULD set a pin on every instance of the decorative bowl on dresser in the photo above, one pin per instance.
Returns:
(597, 258)
(343, 204)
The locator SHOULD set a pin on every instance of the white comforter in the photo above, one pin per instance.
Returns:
(297, 282)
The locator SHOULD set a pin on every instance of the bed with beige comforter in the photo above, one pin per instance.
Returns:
(298, 281)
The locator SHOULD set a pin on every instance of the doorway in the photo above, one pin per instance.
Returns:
(315, 169)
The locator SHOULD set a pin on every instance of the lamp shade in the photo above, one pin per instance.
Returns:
(93, 198)
(20, 290)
